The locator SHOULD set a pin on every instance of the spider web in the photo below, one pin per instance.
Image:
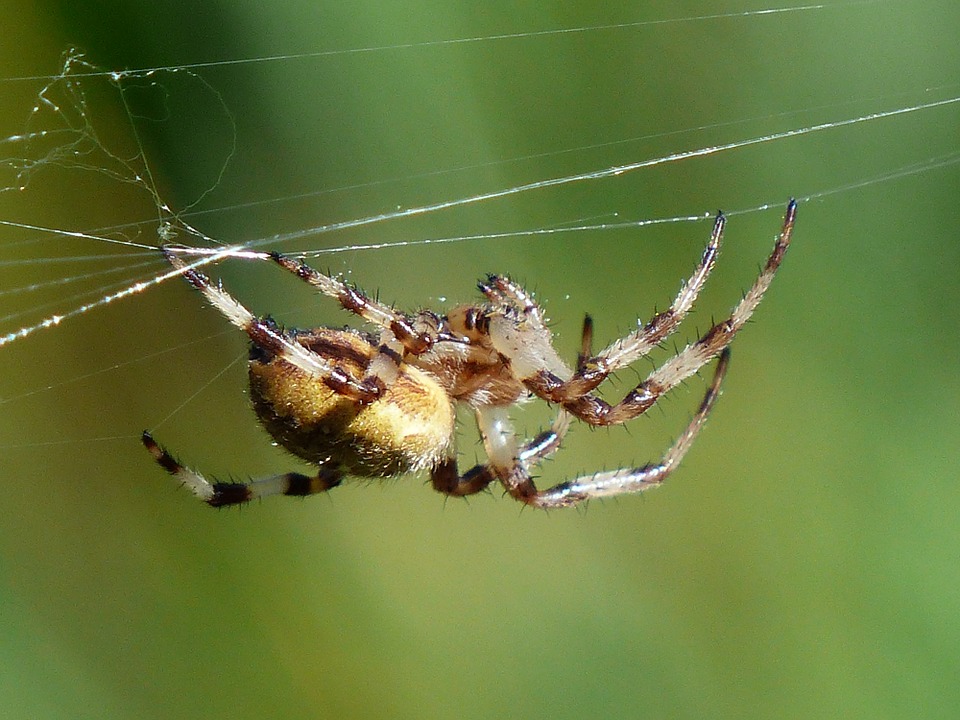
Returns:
(812, 519)
(99, 130)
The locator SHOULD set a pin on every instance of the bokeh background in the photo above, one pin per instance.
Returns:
(802, 563)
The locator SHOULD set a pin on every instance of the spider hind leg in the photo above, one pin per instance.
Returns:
(220, 494)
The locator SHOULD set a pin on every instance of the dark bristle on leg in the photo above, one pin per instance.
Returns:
(586, 343)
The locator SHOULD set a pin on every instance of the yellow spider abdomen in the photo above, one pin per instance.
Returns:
(409, 428)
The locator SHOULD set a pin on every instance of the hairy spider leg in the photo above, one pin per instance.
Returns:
(626, 480)
(265, 335)
(220, 494)
(512, 466)
(595, 411)
(415, 335)
(527, 359)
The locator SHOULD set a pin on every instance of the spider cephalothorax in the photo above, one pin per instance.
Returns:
(380, 404)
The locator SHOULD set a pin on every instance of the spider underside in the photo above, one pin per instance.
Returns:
(382, 403)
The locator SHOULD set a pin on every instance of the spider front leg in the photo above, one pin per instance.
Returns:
(627, 350)
(530, 351)
(593, 410)
(219, 494)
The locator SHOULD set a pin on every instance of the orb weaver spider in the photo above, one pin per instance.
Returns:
(381, 403)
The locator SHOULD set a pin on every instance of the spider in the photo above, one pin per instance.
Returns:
(382, 403)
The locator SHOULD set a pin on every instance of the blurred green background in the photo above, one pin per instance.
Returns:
(802, 563)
